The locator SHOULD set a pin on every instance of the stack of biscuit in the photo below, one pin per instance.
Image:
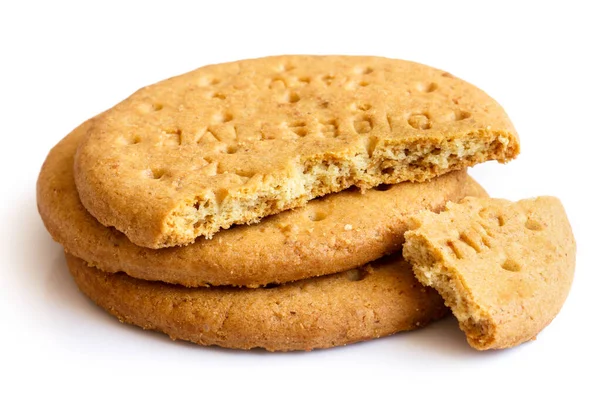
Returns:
(267, 202)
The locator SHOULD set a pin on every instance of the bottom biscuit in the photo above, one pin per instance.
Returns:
(372, 301)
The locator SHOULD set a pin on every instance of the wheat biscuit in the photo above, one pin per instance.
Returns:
(338, 232)
(364, 303)
(232, 143)
(504, 268)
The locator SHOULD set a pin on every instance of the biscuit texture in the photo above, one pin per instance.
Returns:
(504, 268)
(331, 234)
(365, 303)
(232, 143)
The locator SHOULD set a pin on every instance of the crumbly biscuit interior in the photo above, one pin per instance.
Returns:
(207, 213)
(431, 272)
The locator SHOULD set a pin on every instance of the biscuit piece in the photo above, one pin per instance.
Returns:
(232, 143)
(329, 235)
(504, 268)
(365, 303)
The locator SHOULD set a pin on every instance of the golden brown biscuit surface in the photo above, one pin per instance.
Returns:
(504, 268)
(365, 303)
(332, 234)
(235, 142)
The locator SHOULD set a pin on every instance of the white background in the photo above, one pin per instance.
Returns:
(62, 63)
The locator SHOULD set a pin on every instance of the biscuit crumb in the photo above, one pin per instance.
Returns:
(347, 227)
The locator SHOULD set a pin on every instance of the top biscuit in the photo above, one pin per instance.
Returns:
(232, 143)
